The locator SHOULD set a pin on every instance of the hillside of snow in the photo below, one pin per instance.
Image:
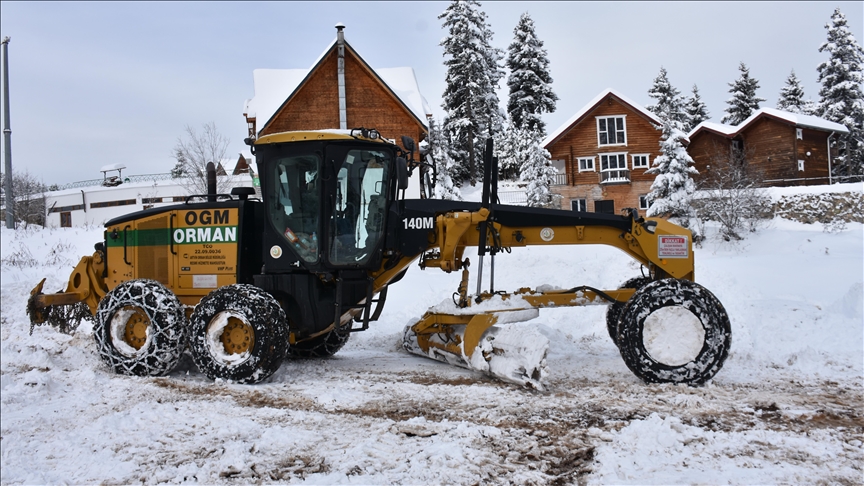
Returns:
(787, 407)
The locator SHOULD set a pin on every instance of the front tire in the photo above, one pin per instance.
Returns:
(613, 312)
(239, 333)
(140, 328)
(674, 331)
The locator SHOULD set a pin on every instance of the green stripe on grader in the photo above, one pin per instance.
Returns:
(162, 236)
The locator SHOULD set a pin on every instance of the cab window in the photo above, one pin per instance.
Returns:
(357, 223)
(297, 203)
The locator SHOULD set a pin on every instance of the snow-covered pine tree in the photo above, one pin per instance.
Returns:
(470, 100)
(669, 105)
(536, 167)
(508, 162)
(791, 95)
(744, 101)
(444, 167)
(841, 96)
(529, 82)
(695, 110)
(673, 187)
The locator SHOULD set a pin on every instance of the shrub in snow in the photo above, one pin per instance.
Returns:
(842, 100)
(744, 101)
(730, 195)
(470, 100)
(28, 197)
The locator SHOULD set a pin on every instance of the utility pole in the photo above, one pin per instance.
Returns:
(7, 139)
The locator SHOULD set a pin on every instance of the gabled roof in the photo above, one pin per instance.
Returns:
(274, 87)
(554, 136)
(804, 121)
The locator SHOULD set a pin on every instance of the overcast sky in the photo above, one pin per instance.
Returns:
(100, 83)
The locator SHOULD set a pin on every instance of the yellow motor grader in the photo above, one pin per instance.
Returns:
(246, 282)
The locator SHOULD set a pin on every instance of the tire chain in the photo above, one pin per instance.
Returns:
(166, 339)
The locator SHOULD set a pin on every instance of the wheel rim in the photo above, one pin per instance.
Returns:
(673, 336)
(130, 330)
(230, 338)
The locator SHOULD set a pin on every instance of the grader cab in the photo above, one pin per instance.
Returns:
(245, 282)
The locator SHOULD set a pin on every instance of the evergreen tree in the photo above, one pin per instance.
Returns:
(470, 100)
(444, 167)
(673, 187)
(669, 105)
(792, 95)
(536, 167)
(508, 161)
(841, 96)
(744, 101)
(695, 110)
(529, 81)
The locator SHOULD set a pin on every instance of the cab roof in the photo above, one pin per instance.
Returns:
(309, 135)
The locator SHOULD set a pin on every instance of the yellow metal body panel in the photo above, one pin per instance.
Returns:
(190, 251)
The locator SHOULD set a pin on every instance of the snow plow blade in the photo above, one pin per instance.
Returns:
(486, 342)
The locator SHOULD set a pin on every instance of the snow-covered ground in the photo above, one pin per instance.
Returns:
(788, 406)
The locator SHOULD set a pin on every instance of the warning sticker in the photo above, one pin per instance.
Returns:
(670, 246)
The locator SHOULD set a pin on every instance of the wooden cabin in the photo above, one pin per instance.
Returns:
(388, 100)
(782, 148)
(603, 152)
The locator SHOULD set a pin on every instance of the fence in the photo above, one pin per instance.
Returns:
(132, 178)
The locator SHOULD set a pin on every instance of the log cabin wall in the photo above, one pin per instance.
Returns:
(581, 141)
(773, 150)
(707, 148)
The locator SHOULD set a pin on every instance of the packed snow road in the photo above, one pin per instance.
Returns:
(786, 407)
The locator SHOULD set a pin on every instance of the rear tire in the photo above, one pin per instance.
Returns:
(613, 312)
(140, 328)
(239, 333)
(684, 303)
(323, 346)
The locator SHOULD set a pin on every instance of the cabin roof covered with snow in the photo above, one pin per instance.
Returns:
(804, 121)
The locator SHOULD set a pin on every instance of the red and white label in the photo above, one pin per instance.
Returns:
(672, 247)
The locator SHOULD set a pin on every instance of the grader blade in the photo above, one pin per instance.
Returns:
(490, 343)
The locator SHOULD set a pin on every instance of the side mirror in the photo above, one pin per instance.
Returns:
(408, 143)
(402, 172)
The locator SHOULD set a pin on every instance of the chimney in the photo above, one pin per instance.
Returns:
(340, 50)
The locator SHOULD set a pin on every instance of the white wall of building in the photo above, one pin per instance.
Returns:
(95, 205)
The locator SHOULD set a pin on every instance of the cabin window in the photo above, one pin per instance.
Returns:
(613, 168)
(579, 205)
(66, 220)
(643, 201)
(611, 130)
(801, 165)
(606, 206)
(586, 164)
(799, 134)
(640, 161)
(66, 209)
(110, 204)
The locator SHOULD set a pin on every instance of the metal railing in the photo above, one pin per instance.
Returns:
(610, 176)
(132, 178)
(513, 197)
(559, 180)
